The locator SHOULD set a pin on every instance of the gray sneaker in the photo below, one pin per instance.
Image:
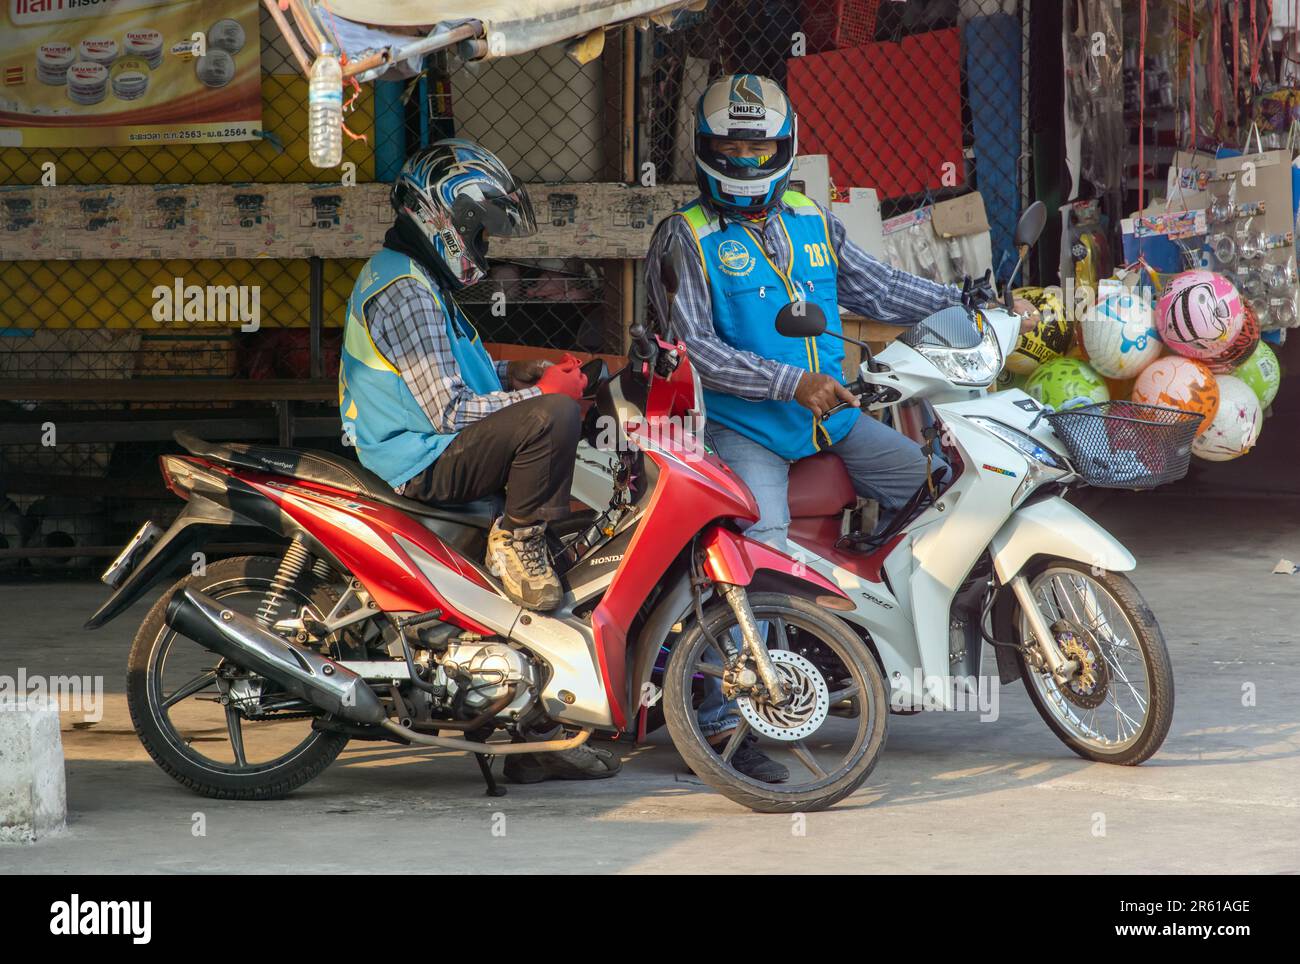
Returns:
(518, 558)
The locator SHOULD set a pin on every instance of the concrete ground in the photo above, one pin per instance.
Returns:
(950, 795)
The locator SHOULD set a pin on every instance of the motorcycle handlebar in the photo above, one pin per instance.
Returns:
(641, 349)
(976, 294)
(866, 395)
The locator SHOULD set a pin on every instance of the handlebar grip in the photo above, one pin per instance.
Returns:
(835, 409)
(641, 350)
(859, 388)
(868, 396)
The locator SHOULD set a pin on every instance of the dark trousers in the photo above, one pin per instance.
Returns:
(527, 448)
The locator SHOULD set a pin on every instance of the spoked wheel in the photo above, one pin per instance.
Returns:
(828, 734)
(214, 727)
(1118, 706)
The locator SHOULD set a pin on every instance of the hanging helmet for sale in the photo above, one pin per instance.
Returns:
(744, 107)
(450, 198)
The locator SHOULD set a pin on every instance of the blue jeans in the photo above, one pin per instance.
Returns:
(883, 464)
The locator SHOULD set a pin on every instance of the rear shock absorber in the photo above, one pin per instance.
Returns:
(292, 565)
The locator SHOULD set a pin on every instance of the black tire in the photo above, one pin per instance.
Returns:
(854, 657)
(1155, 658)
(269, 780)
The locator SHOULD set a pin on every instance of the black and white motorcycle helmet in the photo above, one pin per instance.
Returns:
(744, 107)
(450, 197)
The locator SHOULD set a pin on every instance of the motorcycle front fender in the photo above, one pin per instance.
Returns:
(731, 558)
(735, 559)
(1053, 527)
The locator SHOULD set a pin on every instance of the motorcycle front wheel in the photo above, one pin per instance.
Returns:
(829, 733)
(1118, 708)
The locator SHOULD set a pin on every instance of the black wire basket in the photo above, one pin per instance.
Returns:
(1126, 445)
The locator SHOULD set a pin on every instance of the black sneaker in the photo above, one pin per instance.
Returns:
(755, 764)
(580, 763)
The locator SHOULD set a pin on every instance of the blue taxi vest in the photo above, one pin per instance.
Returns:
(747, 290)
(393, 436)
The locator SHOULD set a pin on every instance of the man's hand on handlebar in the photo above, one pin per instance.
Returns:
(564, 378)
(1029, 314)
(820, 393)
(524, 373)
(976, 293)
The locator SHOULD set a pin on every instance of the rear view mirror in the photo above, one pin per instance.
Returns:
(1031, 224)
(597, 373)
(670, 267)
(800, 319)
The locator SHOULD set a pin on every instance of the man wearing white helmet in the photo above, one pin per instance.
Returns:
(750, 245)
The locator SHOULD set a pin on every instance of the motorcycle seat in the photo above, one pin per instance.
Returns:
(819, 486)
(337, 472)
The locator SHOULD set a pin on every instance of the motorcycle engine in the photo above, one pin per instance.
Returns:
(477, 673)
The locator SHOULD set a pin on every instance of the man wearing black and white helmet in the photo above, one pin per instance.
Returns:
(429, 410)
(749, 246)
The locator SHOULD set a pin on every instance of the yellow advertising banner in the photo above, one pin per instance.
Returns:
(118, 73)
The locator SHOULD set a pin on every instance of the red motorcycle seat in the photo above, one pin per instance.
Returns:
(819, 486)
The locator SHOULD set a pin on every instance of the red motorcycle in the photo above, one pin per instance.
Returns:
(378, 622)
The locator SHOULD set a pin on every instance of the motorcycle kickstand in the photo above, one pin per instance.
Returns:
(485, 767)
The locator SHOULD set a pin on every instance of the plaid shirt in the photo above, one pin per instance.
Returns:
(409, 330)
(865, 285)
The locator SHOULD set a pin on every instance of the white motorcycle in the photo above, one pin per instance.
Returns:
(992, 551)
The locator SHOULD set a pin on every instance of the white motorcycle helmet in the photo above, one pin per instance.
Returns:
(744, 107)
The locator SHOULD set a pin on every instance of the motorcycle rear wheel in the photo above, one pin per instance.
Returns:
(1114, 623)
(178, 719)
(855, 686)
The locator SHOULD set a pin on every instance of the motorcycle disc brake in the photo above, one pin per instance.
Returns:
(1087, 688)
(806, 709)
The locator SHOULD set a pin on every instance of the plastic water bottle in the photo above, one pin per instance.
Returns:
(325, 109)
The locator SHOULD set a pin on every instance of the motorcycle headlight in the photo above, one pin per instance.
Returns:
(976, 367)
(1027, 444)
(1044, 464)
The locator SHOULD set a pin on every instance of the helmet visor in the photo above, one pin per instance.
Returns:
(727, 156)
(508, 215)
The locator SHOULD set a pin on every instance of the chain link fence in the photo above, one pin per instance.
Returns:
(549, 118)
(921, 101)
(92, 321)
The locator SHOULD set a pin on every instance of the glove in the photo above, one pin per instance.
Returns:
(563, 378)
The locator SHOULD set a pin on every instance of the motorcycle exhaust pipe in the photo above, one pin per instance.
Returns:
(317, 679)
